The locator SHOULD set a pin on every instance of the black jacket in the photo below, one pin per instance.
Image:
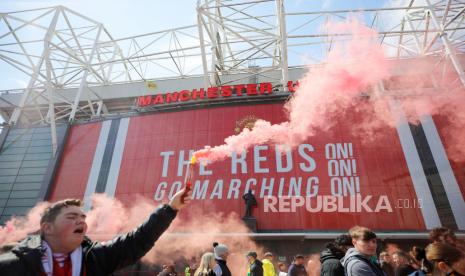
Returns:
(331, 264)
(296, 270)
(224, 268)
(404, 270)
(387, 268)
(98, 258)
(256, 268)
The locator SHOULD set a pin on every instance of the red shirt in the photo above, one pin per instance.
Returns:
(62, 266)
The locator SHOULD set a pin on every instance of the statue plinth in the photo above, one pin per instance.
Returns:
(251, 223)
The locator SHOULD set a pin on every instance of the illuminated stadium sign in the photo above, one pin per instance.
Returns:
(226, 91)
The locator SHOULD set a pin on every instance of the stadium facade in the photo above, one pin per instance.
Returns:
(122, 117)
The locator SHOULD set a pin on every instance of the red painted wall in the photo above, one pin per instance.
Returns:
(381, 167)
(73, 172)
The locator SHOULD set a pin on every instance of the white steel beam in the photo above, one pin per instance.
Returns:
(36, 71)
(282, 42)
(50, 88)
(202, 49)
(450, 52)
(83, 84)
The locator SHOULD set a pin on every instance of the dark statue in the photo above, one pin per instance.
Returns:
(250, 202)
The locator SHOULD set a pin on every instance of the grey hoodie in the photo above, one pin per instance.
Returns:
(357, 264)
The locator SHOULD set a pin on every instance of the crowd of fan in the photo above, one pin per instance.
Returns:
(61, 248)
(353, 254)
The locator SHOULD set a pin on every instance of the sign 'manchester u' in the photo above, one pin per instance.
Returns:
(253, 89)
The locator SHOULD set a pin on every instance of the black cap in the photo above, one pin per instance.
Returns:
(252, 254)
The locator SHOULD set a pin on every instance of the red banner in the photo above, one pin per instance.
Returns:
(332, 182)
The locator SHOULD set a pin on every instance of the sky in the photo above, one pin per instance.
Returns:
(123, 18)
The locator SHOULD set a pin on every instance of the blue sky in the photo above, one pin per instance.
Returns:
(124, 18)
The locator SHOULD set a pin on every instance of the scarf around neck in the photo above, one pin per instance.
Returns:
(48, 256)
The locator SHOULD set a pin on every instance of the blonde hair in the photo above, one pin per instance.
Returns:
(205, 262)
(361, 233)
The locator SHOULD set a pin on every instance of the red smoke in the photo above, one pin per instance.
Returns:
(187, 237)
(419, 91)
(349, 83)
(17, 228)
(324, 93)
(313, 265)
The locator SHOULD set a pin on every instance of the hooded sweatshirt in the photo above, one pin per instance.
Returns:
(356, 264)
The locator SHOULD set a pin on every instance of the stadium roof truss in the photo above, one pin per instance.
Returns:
(60, 49)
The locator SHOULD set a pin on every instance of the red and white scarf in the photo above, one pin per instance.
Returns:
(49, 256)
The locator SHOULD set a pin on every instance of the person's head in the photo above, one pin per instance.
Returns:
(299, 259)
(442, 234)
(170, 268)
(385, 257)
(221, 251)
(417, 253)
(418, 256)
(282, 267)
(445, 259)
(343, 242)
(269, 256)
(251, 256)
(340, 245)
(364, 240)
(207, 263)
(400, 258)
(63, 225)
